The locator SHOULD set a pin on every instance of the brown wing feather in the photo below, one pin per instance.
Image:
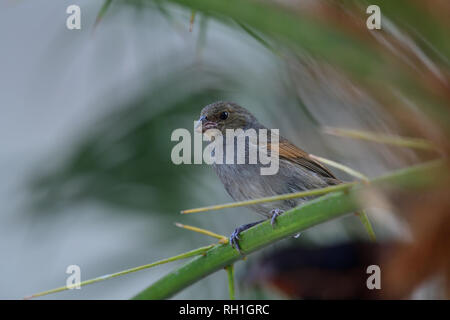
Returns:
(290, 152)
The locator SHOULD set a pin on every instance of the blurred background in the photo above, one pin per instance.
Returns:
(87, 116)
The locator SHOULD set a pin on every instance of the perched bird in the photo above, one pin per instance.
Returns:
(297, 171)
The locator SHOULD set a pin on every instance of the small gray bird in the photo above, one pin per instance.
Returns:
(297, 171)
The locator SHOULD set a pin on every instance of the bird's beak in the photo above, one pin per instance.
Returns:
(203, 124)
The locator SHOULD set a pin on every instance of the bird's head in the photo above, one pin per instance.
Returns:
(225, 115)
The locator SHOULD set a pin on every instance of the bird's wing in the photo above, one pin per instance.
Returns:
(290, 152)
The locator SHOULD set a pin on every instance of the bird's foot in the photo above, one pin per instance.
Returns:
(275, 213)
(234, 237)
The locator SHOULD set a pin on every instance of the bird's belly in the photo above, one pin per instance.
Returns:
(245, 182)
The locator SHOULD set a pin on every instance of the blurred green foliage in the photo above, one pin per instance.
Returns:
(125, 159)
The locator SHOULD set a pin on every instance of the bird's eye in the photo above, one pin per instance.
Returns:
(224, 115)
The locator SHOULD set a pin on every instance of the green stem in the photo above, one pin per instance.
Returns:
(185, 255)
(362, 214)
(230, 273)
(191, 20)
(102, 12)
(258, 38)
(291, 222)
(407, 142)
(343, 168)
(367, 225)
(313, 192)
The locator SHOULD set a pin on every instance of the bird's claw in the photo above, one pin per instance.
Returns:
(234, 240)
(275, 213)
(234, 237)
